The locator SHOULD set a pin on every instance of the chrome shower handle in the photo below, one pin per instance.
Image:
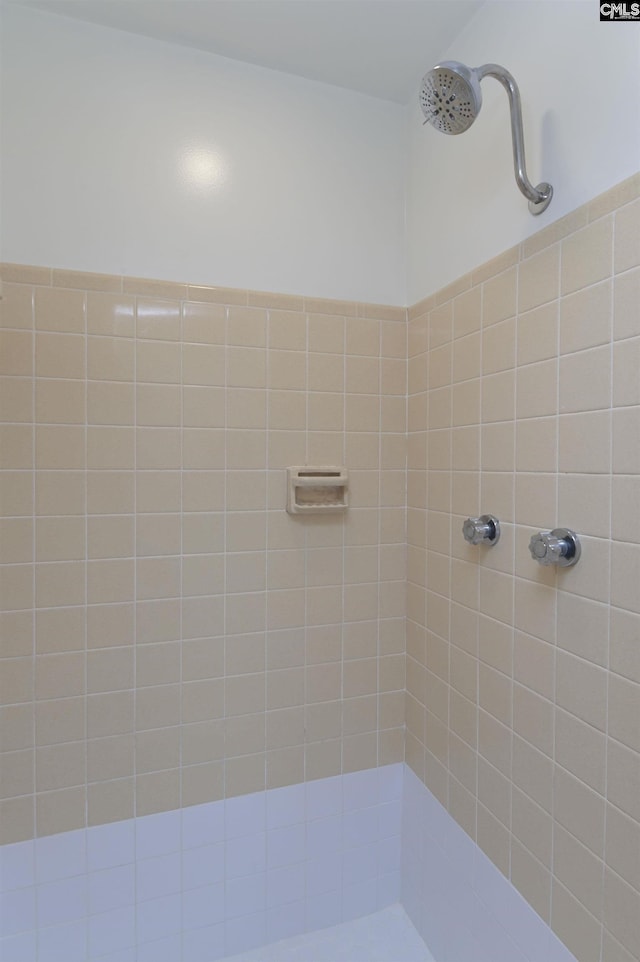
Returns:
(482, 530)
(558, 547)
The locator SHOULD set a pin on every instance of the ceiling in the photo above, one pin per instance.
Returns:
(377, 47)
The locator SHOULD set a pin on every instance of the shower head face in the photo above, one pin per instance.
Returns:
(450, 97)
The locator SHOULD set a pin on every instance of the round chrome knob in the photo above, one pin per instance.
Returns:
(482, 530)
(558, 547)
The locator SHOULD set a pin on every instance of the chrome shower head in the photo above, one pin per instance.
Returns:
(451, 99)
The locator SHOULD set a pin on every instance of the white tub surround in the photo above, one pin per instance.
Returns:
(214, 880)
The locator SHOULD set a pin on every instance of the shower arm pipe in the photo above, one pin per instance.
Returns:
(539, 197)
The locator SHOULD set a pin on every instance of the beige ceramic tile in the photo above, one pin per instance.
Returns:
(467, 311)
(617, 196)
(573, 455)
(157, 792)
(158, 405)
(574, 925)
(624, 656)
(245, 367)
(152, 288)
(110, 402)
(537, 389)
(17, 727)
(159, 362)
(585, 380)
(538, 333)
(583, 627)
(623, 778)
(580, 749)
(203, 323)
(456, 287)
(26, 274)
(60, 583)
(110, 359)
(499, 297)
(17, 631)
(110, 625)
(60, 811)
(440, 325)
(622, 852)
(626, 294)
(60, 310)
(624, 711)
(580, 810)
(583, 503)
(16, 444)
(109, 714)
(627, 234)
(585, 318)
(159, 320)
(217, 295)
(319, 305)
(283, 302)
(111, 492)
(245, 774)
(587, 255)
(533, 773)
(626, 361)
(533, 719)
(111, 448)
(556, 231)
(60, 766)
(626, 441)
(57, 355)
(57, 401)
(539, 278)
(16, 306)
(625, 568)
(613, 951)
(83, 280)
(202, 783)
(621, 904)
(532, 826)
(497, 265)
(110, 314)
(576, 675)
(362, 337)
(60, 539)
(16, 399)
(532, 879)
(499, 347)
(110, 801)
(498, 396)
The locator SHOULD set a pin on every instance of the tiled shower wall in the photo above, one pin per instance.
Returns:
(523, 707)
(170, 636)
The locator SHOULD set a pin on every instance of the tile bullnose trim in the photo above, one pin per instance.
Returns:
(609, 201)
(92, 281)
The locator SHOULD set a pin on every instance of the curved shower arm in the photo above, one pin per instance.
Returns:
(539, 197)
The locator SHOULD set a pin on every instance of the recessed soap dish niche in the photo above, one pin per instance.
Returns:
(317, 490)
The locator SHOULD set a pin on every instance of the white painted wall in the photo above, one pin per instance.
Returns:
(580, 85)
(127, 155)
